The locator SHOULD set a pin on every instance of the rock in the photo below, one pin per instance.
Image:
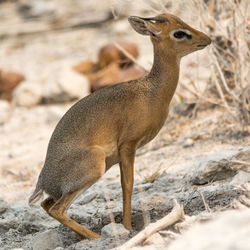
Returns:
(216, 195)
(65, 85)
(79, 214)
(3, 206)
(155, 239)
(9, 221)
(95, 244)
(87, 198)
(5, 111)
(241, 178)
(28, 94)
(8, 82)
(114, 229)
(188, 143)
(221, 166)
(46, 240)
(211, 235)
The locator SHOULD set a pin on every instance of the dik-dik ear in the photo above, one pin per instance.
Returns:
(145, 26)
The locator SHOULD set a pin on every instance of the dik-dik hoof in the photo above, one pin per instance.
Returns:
(128, 226)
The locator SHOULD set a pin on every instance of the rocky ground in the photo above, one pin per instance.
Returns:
(201, 158)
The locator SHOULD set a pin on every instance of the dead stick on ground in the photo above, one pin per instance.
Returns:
(177, 214)
(205, 203)
(241, 162)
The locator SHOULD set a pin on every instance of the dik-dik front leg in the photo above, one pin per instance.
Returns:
(127, 156)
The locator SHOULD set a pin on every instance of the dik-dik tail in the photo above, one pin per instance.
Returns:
(37, 194)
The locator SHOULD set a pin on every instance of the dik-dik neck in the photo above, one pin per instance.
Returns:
(164, 74)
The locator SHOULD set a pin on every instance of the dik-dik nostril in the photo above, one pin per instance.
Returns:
(209, 40)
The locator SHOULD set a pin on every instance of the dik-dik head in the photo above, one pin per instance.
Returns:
(171, 33)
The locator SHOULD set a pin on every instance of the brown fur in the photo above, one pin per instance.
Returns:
(112, 67)
(108, 126)
(110, 54)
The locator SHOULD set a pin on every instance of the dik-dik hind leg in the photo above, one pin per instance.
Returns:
(127, 156)
(93, 167)
(59, 212)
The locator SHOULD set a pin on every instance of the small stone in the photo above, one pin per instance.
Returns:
(65, 85)
(214, 167)
(9, 221)
(46, 240)
(28, 94)
(188, 143)
(114, 229)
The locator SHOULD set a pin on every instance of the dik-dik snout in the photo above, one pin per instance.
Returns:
(171, 33)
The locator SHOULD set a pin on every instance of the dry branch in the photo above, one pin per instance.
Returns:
(198, 94)
(205, 203)
(177, 214)
(129, 56)
(241, 162)
(223, 77)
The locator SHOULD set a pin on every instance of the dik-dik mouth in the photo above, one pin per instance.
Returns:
(202, 46)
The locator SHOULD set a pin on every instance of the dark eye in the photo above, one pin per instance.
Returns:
(179, 34)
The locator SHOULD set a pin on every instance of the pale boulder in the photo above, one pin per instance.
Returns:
(28, 94)
(65, 84)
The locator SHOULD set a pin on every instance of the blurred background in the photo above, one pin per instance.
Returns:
(54, 52)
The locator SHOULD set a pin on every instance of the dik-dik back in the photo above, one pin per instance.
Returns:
(108, 126)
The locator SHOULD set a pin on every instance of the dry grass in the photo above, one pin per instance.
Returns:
(150, 177)
(227, 22)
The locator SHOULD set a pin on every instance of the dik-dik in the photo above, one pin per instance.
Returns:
(108, 126)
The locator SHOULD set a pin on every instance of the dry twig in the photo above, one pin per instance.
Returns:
(177, 214)
(241, 162)
(205, 203)
(128, 55)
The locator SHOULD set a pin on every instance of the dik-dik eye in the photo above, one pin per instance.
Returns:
(180, 35)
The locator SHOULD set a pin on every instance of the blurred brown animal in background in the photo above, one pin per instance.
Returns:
(108, 126)
(8, 82)
(112, 67)
(111, 54)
